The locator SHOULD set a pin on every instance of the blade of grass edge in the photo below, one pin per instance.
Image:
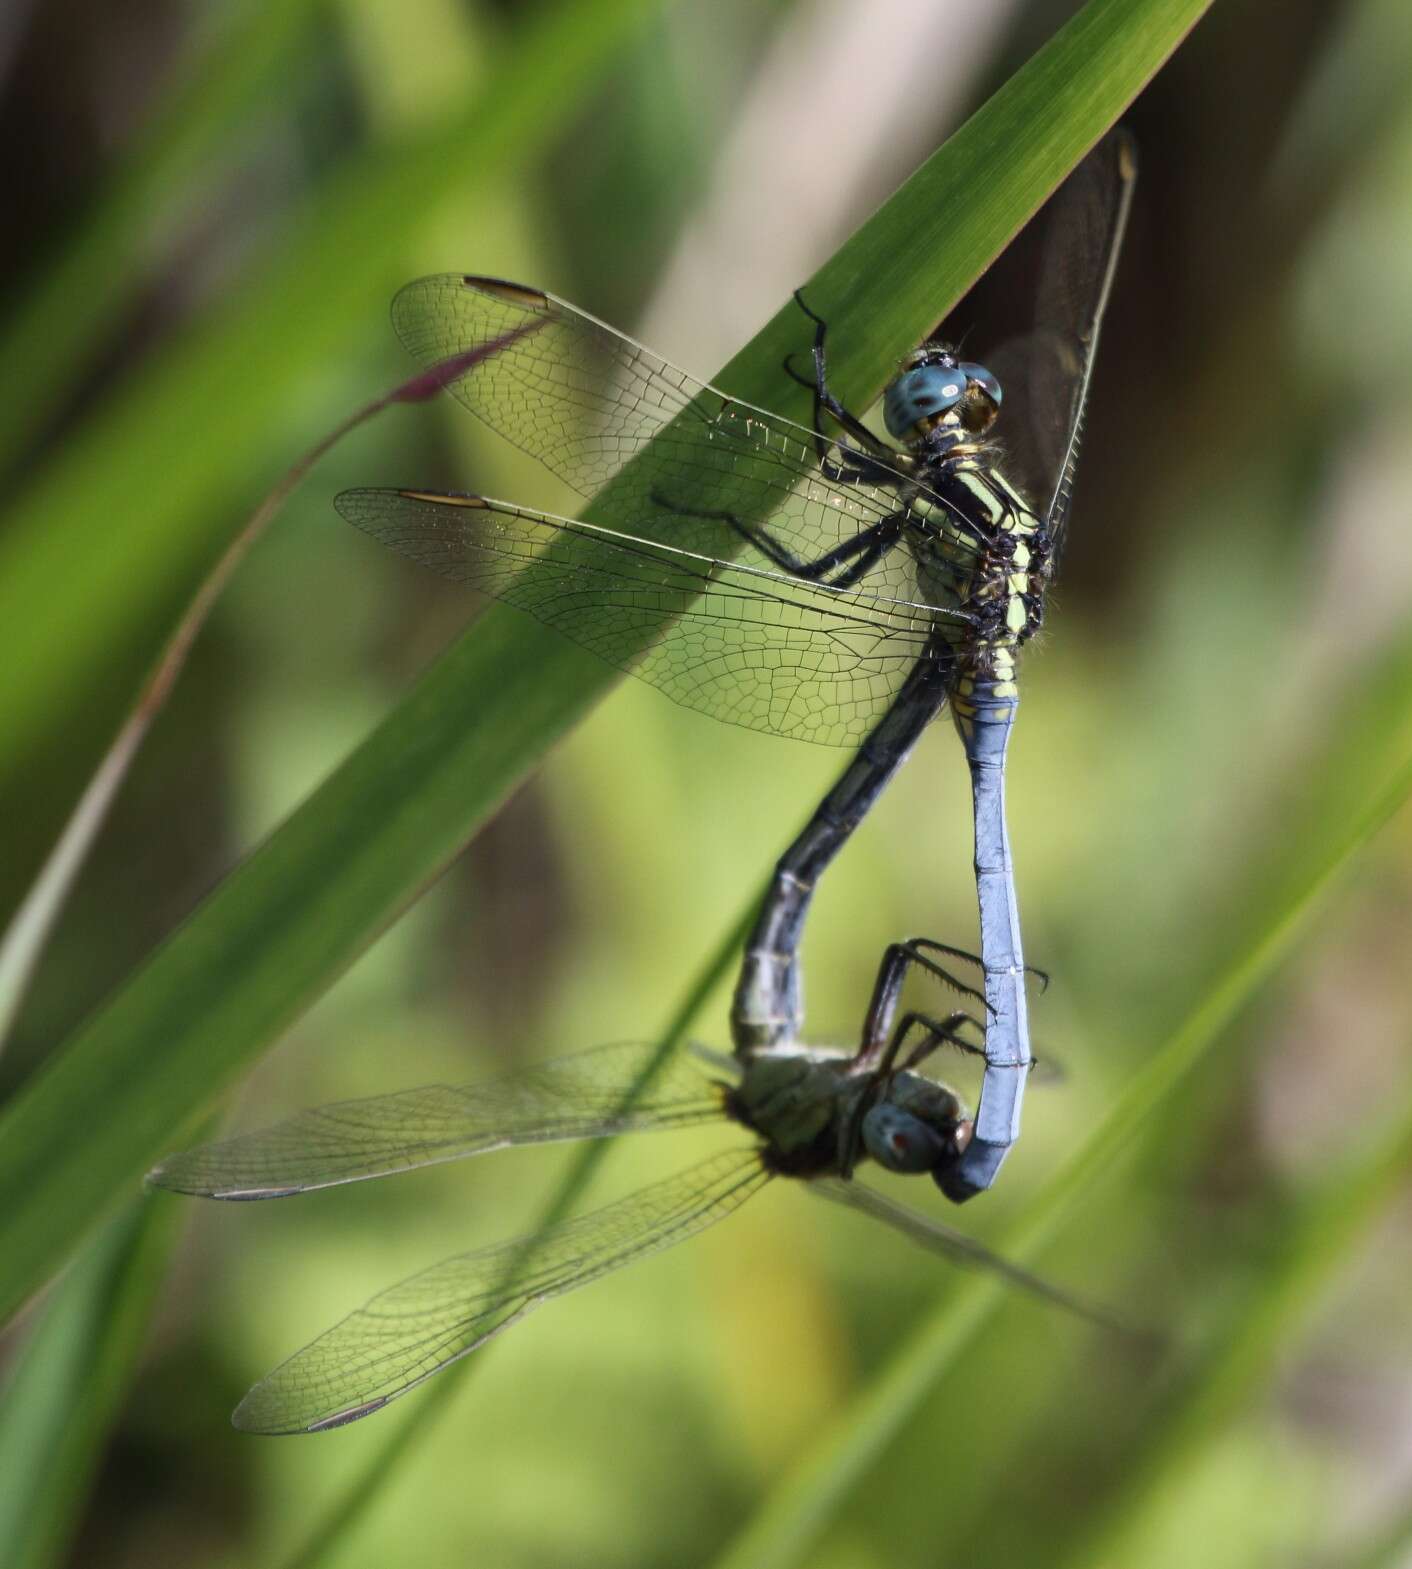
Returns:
(283, 925)
(69, 1380)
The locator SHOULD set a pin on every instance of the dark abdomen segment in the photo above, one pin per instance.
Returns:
(768, 1006)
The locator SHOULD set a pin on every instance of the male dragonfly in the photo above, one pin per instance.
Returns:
(815, 1115)
(815, 583)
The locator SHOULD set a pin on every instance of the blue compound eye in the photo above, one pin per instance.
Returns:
(983, 379)
(921, 394)
(898, 1141)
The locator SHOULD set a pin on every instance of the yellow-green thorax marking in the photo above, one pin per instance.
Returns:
(983, 547)
(1005, 584)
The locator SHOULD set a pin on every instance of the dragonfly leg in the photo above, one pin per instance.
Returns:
(932, 946)
(857, 556)
(857, 467)
(825, 399)
(938, 1033)
(876, 1050)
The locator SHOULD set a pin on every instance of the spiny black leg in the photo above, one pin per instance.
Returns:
(898, 958)
(966, 957)
(813, 316)
(938, 1033)
(822, 444)
(915, 950)
(822, 395)
(915, 945)
(858, 466)
(868, 546)
(862, 566)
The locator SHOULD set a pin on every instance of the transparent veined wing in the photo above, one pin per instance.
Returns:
(748, 645)
(585, 1096)
(416, 1328)
(956, 1246)
(1044, 374)
(587, 401)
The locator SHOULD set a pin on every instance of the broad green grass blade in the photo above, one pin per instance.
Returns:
(60, 326)
(284, 925)
(69, 1380)
(1244, 1357)
(416, 1425)
(126, 514)
(1317, 853)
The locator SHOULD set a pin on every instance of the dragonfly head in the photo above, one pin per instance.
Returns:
(935, 394)
(917, 1126)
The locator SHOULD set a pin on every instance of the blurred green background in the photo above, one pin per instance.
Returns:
(1235, 585)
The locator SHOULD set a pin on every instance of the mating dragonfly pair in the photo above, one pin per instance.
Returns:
(816, 582)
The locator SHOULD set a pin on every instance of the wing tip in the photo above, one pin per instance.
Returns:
(168, 1177)
(249, 1417)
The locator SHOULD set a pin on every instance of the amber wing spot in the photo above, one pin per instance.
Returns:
(442, 499)
(502, 288)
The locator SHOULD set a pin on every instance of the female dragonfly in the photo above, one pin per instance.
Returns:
(816, 583)
(815, 1115)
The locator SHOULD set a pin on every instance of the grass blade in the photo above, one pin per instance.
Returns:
(69, 1381)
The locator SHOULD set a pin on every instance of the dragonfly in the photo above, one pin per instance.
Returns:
(815, 1114)
(815, 582)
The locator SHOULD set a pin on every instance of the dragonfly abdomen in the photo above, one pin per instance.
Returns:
(983, 708)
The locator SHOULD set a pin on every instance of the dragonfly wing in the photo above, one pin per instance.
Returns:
(955, 1246)
(588, 1095)
(416, 1328)
(746, 645)
(587, 402)
(1045, 373)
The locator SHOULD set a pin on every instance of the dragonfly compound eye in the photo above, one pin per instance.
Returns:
(921, 394)
(900, 1142)
(979, 376)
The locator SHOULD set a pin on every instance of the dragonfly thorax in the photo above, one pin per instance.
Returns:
(938, 399)
(796, 1100)
(811, 1107)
